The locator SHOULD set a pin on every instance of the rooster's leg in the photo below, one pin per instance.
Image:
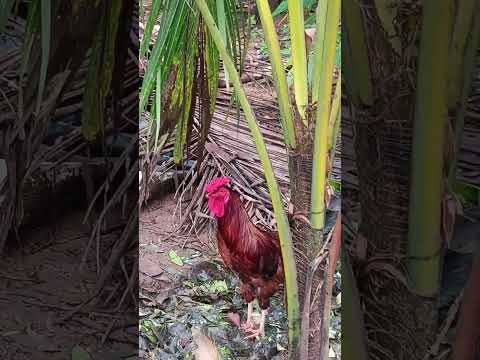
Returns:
(249, 323)
(254, 333)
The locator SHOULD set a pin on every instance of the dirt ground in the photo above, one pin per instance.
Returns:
(195, 292)
(157, 225)
(33, 314)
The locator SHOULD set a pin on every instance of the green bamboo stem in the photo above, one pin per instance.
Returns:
(280, 216)
(357, 51)
(278, 72)
(461, 32)
(222, 26)
(318, 47)
(299, 55)
(424, 242)
(473, 40)
(320, 149)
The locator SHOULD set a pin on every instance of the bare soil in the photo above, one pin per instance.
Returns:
(41, 284)
(158, 273)
(199, 293)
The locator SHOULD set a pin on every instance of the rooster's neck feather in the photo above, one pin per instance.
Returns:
(235, 226)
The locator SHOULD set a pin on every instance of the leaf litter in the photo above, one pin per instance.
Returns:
(202, 296)
(209, 302)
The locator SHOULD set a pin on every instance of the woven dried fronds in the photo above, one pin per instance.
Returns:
(230, 151)
(219, 163)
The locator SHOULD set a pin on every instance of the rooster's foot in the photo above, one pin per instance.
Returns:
(254, 333)
(247, 326)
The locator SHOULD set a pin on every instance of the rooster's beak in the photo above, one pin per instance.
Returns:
(206, 195)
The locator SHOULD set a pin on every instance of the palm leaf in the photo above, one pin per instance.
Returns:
(199, 59)
(5, 11)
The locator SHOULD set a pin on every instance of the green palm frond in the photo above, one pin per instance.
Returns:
(5, 11)
(181, 79)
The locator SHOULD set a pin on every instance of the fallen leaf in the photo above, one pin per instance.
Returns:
(175, 258)
(150, 267)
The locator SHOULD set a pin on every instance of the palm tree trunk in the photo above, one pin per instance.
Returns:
(399, 323)
(300, 169)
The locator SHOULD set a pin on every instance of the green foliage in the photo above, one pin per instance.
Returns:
(151, 21)
(182, 93)
(426, 182)
(225, 47)
(184, 42)
(166, 48)
(469, 194)
(100, 71)
(172, 254)
(283, 7)
(275, 195)
(336, 185)
(5, 12)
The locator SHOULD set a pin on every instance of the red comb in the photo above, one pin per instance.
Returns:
(217, 183)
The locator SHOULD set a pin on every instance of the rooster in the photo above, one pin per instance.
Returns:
(252, 253)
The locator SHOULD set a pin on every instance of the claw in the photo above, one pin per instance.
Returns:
(246, 326)
(255, 333)
(260, 331)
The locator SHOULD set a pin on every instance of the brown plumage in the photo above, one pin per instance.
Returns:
(254, 254)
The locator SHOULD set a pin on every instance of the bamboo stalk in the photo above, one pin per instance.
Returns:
(282, 221)
(222, 26)
(299, 55)
(357, 51)
(317, 208)
(424, 241)
(278, 72)
(473, 40)
(318, 47)
(462, 33)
